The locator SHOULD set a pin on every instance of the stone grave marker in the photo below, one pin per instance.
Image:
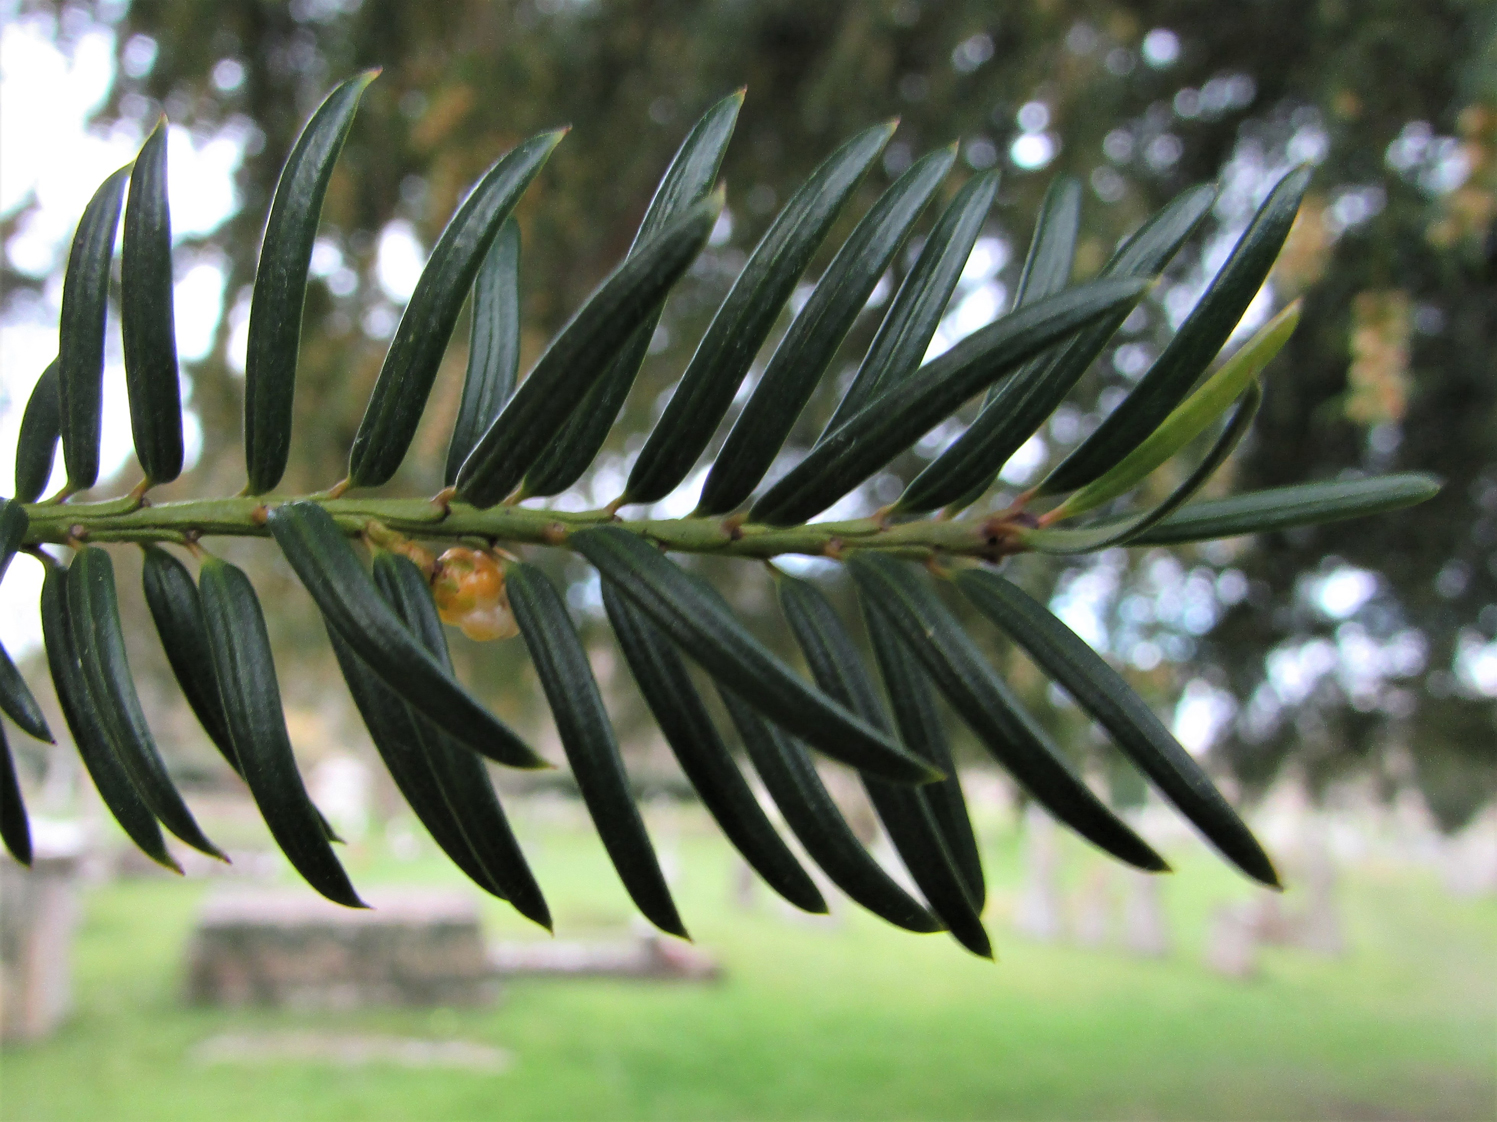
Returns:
(289, 947)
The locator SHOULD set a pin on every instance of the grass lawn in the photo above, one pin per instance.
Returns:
(853, 1020)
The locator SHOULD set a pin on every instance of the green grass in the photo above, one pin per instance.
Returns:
(854, 1021)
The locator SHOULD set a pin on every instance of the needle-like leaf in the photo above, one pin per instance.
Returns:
(580, 355)
(416, 351)
(80, 349)
(1104, 534)
(462, 776)
(346, 596)
(1150, 247)
(693, 737)
(987, 705)
(586, 734)
(905, 333)
(18, 703)
(281, 283)
(801, 359)
(1102, 692)
(809, 810)
(1203, 333)
(1283, 508)
(177, 611)
(1052, 247)
(893, 421)
(251, 697)
(15, 829)
(912, 698)
(1015, 409)
(391, 727)
(700, 624)
(36, 443)
(89, 734)
(905, 813)
(745, 318)
(493, 346)
(147, 322)
(99, 640)
(687, 180)
(1047, 270)
(1190, 417)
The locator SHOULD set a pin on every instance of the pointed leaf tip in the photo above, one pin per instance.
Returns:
(745, 318)
(240, 651)
(693, 737)
(415, 353)
(686, 182)
(1133, 726)
(581, 354)
(790, 777)
(15, 829)
(98, 640)
(147, 319)
(1205, 331)
(280, 286)
(907, 814)
(462, 776)
(86, 725)
(988, 706)
(586, 734)
(906, 331)
(19, 704)
(80, 358)
(804, 354)
(1282, 508)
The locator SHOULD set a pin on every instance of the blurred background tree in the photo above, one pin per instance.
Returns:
(1365, 648)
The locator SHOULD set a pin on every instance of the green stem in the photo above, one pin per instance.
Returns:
(244, 516)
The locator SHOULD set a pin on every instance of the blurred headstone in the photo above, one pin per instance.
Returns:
(1232, 943)
(1469, 859)
(1319, 927)
(290, 947)
(1038, 913)
(1145, 927)
(38, 913)
(1272, 924)
(403, 838)
(342, 786)
(1094, 909)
